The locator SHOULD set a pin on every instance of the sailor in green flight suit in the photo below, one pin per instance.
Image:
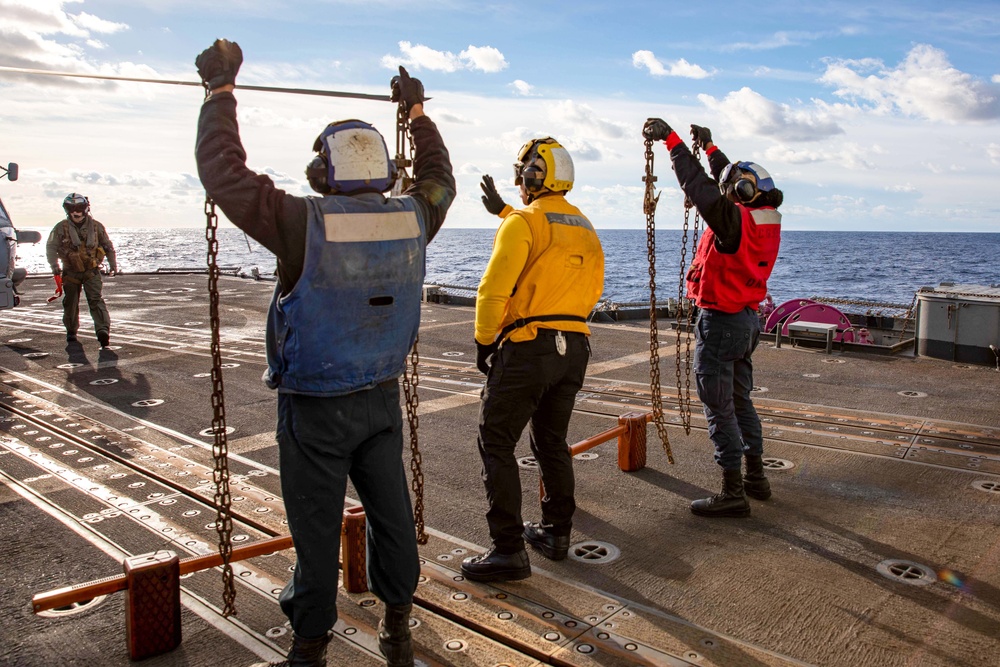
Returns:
(81, 243)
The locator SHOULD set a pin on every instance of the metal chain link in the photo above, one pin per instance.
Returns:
(220, 447)
(685, 310)
(649, 208)
(411, 380)
(411, 375)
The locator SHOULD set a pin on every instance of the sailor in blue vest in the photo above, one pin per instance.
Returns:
(360, 254)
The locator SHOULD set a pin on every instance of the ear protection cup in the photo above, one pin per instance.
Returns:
(533, 178)
(745, 190)
(316, 173)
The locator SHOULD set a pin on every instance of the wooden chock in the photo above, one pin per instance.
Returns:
(352, 550)
(153, 604)
(632, 442)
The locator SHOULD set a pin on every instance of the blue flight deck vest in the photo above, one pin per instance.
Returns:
(350, 321)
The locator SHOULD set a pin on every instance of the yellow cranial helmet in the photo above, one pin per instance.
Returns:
(544, 164)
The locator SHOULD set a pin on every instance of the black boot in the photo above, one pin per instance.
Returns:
(103, 338)
(304, 653)
(394, 636)
(553, 547)
(494, 566)
(70, 337)
(731, 502)
(754, 482)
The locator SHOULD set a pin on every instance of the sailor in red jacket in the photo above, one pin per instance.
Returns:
(727, 281)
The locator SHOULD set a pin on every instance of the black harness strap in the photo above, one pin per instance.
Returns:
(517, 324)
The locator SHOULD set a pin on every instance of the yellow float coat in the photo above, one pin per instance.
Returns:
(547, 260)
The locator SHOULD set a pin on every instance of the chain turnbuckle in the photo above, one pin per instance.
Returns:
(220, 447)
(649, 203)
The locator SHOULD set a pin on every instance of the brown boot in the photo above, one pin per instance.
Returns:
(731, 502)
(394, 639)
(304, 653)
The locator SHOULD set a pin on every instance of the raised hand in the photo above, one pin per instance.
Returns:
(219, 63)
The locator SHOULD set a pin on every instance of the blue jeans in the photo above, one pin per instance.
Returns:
(724, 344)
(322, 441)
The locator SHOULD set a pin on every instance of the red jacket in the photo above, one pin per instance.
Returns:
(731, 282)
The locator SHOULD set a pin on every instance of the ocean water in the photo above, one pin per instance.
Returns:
(884, 267)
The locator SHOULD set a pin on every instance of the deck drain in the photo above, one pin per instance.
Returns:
(586, 456)
(585, 648)
(73, 608)
(148, 403)
(276, 632)
(912, 394)
(452, 354)
(36, 355)
(594, 552)
(528, 463)
(70, 366)
(211, 430)
(907, 572)
(19, 340)
(810, 375)
(454, 645)
(989, 486)
(833, 361)
(778, 464)
(103, 381)
(759, 389)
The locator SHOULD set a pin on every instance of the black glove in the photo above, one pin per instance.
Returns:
(407, 89)
(484, 354)
(701, 136)
(656, 129)
(219, 63)
(491, 199)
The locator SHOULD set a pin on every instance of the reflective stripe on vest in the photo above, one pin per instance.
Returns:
(564, 272)
(731, 282)
(350, 321)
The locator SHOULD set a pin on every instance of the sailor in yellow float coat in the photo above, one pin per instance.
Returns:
(544, 277)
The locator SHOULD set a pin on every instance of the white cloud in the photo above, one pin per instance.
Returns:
(993, 150)
(995, 78)
(681, 68)
(904, 187)
(522, 88)
(748, 113)
(482, 58)
(585, 120)
(452, 117)
(92, 23)
(776, 41)
(924, 85)
(849, 156)
(96, 44)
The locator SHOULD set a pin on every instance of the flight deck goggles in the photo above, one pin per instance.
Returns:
(76, 208)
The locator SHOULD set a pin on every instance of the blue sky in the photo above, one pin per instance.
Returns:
(870, 117)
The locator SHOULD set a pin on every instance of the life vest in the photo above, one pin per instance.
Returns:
(351, 319)
(79, 248)
(731, 282)
(563, 275)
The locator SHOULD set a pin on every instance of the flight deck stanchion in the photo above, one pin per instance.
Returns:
(352, 550)
(632, 442)
(153, 604)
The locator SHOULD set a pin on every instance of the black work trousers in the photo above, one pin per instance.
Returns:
(530, 383)
(322, 442)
